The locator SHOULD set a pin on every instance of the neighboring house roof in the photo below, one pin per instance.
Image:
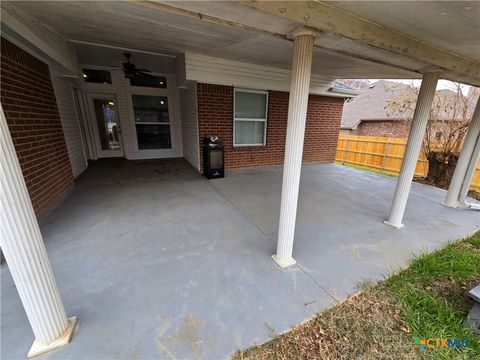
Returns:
(372, 103)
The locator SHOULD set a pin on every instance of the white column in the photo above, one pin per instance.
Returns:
(465, 156)
(25, 253)
(414, 144)
(469, 177)
(297, 116)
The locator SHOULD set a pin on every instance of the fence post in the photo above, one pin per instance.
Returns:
(385, 155)
(345, 151)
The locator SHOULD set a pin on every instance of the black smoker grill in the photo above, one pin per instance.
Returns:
(213, 158)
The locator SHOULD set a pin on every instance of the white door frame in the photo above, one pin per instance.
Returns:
(101, 153)
(83, 117)
(172, 112)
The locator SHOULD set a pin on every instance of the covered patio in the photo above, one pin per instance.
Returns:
(151, 259)
(146, 283)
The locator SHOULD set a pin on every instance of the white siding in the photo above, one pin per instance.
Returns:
(188, 111)
(219, 71)
(63, 88)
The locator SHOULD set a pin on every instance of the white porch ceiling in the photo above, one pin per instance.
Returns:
(449, 25)
(239, 32)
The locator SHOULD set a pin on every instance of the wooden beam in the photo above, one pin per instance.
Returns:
(320, 16)
(184, 9)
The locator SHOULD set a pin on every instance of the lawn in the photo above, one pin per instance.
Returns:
(385, 319)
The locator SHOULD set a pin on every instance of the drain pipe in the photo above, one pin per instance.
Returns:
(462, 197)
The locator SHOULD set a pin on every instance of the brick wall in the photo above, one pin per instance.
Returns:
(398, 128)
(30, 108)
(215, 116)
(439, 130)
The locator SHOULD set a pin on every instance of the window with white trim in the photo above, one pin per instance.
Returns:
(152, 121)
(250, 117)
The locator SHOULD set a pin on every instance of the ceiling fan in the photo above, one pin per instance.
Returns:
(130, 69)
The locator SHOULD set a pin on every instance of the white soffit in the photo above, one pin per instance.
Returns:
(231, 30)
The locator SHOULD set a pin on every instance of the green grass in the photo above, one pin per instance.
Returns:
(426, 300)
(433, 291)
(370, 169)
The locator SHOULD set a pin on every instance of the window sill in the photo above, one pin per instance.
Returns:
(249, 147)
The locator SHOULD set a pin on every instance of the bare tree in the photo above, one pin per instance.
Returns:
(355, 83)
(450, 115)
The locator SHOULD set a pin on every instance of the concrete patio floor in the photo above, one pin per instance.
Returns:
(158, 262)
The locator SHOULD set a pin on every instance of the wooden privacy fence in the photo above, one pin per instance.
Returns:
(384, 154)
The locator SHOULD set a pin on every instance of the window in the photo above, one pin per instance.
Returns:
(152, 122)
(250, 117)
(97, 76)
(147, 80)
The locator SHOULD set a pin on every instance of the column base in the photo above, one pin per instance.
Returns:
(454, 206)
(284, 264)
(393, 225)
(38, 348)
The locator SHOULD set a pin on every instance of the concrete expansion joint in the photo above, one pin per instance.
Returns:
(240, 211)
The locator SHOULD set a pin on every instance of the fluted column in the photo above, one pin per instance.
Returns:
(469, 177)
(297, 115)
(464, 160)
(414, 144)
(25, 253)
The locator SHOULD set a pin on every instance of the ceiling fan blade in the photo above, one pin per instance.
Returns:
(144, 73)
(144, 70)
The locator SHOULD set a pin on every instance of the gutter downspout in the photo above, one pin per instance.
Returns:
(462, 197)
(339, 90)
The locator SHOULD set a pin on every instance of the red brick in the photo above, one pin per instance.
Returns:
(215, 117)
(385, 128)
(29, 103)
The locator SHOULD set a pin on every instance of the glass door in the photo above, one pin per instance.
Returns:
(105, 125)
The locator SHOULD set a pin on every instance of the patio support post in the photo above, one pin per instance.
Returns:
(297, 115)
(464, 160)
(462, 197)
(414, 144)
(25, 253)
